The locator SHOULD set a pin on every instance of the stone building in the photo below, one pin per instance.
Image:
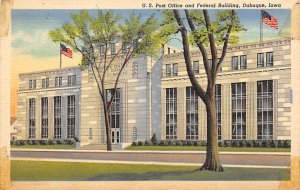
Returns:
(253, 94)
(154, 95)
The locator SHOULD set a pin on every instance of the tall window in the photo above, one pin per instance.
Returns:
(44, 117)
(101, 49)
(168, 70)
(243, 62)
(196, 67)
(134, 134)
(238, 92)
(265, 109)
(58, 81)
(32, 84)
(45, 83)
(112, 48)
(171, 113)
(269, 59)
(191, 114)
(260, 60)
(90, 133)
(234, 63)
(32, 118)
(71, 117)
(124, 47)
(175, 69)
(218, 109)
(71, 80)
(114, 113)
(57, 117)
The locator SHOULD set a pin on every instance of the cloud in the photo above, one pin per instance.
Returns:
(37, 43)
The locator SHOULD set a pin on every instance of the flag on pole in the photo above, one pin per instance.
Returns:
(65, 51)
(269, 19)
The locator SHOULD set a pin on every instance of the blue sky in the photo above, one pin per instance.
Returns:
(30, 27)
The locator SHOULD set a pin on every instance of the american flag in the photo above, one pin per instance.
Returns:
(269, 19)
(65, 51)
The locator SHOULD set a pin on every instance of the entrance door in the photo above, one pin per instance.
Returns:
(115, 135)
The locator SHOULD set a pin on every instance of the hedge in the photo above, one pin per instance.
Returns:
(43, 142)
(222, 143)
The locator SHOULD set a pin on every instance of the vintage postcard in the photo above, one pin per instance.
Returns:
(149, 94)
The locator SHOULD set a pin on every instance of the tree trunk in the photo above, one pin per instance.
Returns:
(212, 162)
(107, 126)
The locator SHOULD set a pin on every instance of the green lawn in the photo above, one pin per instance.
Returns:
(71, 171)
(203, 148)
(45, 146)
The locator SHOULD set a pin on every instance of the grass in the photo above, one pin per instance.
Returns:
(60, 146)
(203, 148)
(78, 171)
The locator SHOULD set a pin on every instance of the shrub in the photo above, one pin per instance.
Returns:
(202, 143)
(140, 143)
(280, 143)
(235, 143)
(147, 143)
(189, 143)
(227, 143)
(242, 143)
(196, 143)
(44, 142)
(12, 142)
(134, 143)
(274, 144)
(266, 144)
(178, 143)
(221, 143)
(71, 142)
(184, 143)
(36, 142)
(162, 143)
(30, 142)
(154, 140)
(249, 143)
(60, 141)
(170, 143)
(287, 144)
(257, 143)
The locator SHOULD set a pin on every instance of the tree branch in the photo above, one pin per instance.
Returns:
(187, 57)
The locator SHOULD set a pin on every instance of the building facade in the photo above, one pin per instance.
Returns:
(253, 98)
(253, 94)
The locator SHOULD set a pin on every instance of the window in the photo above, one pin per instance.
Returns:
(58, 81)
(218, 109)
(31, 118)
(168, 70)
(114, 113)
(269, 59)
(260, 60)
(234, 63)
(57, 117)
(71, 117)
(134, 134)
(44, 117)
(191, 114)
(71, 80)
(45, 83)
(32, 84)
(265, 109)
(243, 62)
(196, 67)
(175, 69)
(238, 96)
(169, 50)
(112, 48)
(124, 48)
(101, 49)
(171, 113)
(90, 133)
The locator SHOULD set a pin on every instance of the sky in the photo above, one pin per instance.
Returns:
(32, 50)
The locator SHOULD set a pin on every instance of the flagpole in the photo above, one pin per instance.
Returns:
(60, 55)
(261, 27)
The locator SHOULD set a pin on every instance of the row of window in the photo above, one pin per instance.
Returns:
(57, 117)
(238, 111)
(237, 62)
(58, 82)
